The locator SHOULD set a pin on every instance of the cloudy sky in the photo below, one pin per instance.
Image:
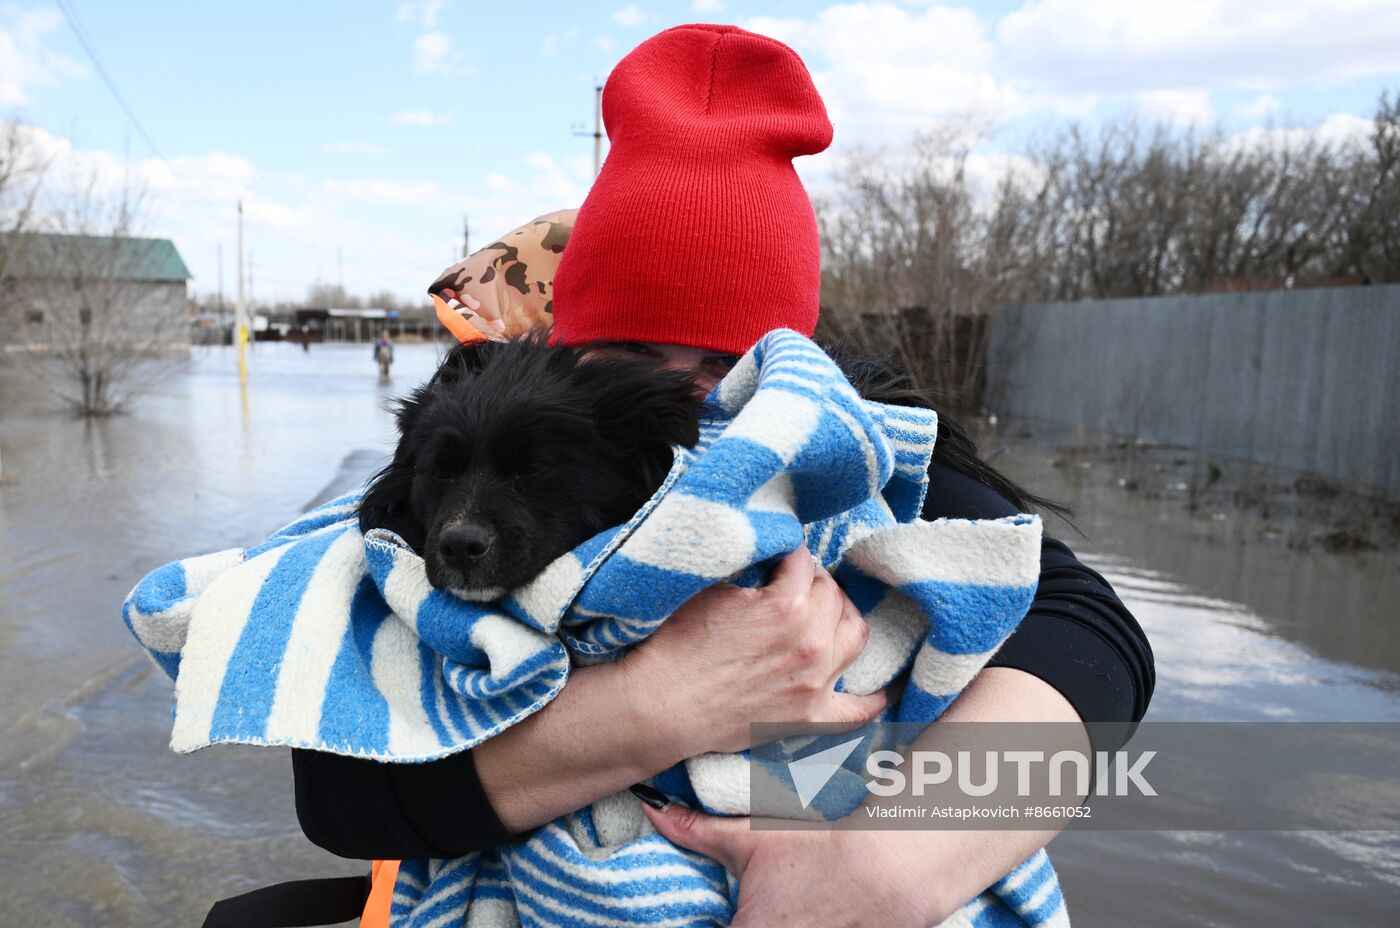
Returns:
(359, 134)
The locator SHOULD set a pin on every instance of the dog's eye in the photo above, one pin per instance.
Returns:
(440, 470)
(518, 465)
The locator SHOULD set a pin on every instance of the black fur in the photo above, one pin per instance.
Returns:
(514, 453)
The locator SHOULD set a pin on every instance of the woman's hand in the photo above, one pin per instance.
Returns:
(877, 878)
(733, 656)
(728, 657)
(836, 879)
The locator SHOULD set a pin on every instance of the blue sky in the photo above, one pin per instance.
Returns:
(367, 130)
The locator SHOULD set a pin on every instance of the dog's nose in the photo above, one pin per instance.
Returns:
(464, 544)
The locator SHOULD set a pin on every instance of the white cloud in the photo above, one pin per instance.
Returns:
(1338, 129)
(886, 70)
(421, 118)
(1097, 46)
(270, 214)
(217, 176)
(178, 198)
(433, 54)
(497, 181)
(385, 190)
(707, 6)
(630, 15)
(604, 43)
(1261, 107)
(500, 203)
(24, 61)
(556, 182)
(1177, 107)
(420, 12)
(551, 43)
(1345, 128)
(352, 148)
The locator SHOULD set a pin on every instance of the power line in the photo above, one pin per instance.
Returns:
(72, 17)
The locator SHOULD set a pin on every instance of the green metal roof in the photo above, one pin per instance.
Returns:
(57, 256)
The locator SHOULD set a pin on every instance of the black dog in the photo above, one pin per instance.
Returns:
(514, 453)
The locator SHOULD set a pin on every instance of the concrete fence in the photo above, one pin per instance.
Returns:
(1304, 380)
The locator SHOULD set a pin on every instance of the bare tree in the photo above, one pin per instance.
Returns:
(332, 296)
(1137, 212)
(1374, 248)
(914, 256)
(21, 171)
(97, 332)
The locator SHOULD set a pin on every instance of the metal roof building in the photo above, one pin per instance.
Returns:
(63, 281)
(44, 256)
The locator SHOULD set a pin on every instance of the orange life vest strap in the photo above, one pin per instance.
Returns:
(382, 877)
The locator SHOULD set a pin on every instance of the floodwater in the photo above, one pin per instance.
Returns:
(1242, 631)
(104, 826)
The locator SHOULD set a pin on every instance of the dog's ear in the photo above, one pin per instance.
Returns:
(641, 401)
(386, 500)
(463, 361)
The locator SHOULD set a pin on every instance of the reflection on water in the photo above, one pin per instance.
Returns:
(1242, 631)
(103, 825)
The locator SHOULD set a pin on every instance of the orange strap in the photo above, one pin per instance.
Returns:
(381, 894)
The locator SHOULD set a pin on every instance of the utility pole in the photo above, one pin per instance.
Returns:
(466, 238)
(252, 308)
(221, 277)
(597, 132)
(241, 310)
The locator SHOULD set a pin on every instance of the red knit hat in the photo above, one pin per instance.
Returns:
(697, 231)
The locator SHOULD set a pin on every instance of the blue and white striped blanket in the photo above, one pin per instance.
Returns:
(323, 638)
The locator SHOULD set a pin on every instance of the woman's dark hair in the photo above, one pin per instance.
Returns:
(882, 382)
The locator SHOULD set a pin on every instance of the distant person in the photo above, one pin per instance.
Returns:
(306, 339)
(384, 354)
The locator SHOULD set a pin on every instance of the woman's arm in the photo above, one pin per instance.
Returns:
(875, 879)
(594, 739)
(727, 657)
